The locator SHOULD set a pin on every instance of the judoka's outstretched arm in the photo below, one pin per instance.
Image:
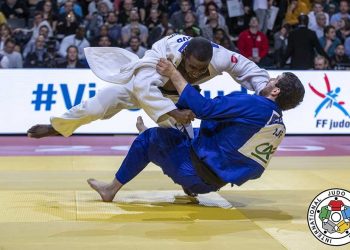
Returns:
(241, 69)
(204, 108)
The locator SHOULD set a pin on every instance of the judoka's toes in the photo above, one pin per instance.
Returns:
(140, 125)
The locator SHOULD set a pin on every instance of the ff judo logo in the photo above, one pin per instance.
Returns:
(330, 99)
(329, 217)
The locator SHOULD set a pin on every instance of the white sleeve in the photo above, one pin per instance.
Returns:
(241, 69)
(149, 96)
(147, 80)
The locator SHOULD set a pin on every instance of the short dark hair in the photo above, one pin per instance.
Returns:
(292, 91)
(328, 28)
(303, 19)
(72, 46)
(10, 40)
(200, 48)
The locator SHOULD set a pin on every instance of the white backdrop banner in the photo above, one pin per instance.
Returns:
(29, 97)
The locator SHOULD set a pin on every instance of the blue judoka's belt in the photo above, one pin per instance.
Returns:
(204, 172)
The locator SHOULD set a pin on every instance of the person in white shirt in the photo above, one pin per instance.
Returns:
(317, 8)
(14, 57)
(140, 86)
(320, 25)
(78, 39)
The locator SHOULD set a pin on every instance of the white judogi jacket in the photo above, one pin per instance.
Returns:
(119, 66)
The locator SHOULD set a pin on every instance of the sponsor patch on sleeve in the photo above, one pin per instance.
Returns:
(234, 59)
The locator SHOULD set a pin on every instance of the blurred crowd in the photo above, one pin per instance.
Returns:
(284, 34)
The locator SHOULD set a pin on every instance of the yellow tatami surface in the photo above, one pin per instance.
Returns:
(45, 203)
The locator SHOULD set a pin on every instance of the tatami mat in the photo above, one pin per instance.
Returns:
(45, 203)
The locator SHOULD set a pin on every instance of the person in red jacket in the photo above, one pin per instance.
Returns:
(252, 43)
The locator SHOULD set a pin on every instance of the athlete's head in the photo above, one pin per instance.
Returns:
(286, 90)
(197, 56)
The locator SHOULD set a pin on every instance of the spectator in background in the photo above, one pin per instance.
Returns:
(92, 7)
(97, 19)
(177, 19)
(339, 60)
(343, 13)
(320, 25)
(347, 46)
(78, 39)
(307, 4)
(302, 43)
(344, 30)
(282, 6)
(155, 4)
(152, 20)
(228, 44)
(260, 7)
(104, 41)
(68, 22)
(281, 44)
(5, 33)
(201, 7)
(37, 24)
(49, 13)
(140, 7)
(252, 43)
(103, 31)
(211, 24)
(135, 47)
(204, 18)
(316, 9)
(295, 9)
(14, 57)
(133, 28)
(124, 14)
(127, 7)
(14, 9)
(329, 41)
(190, 21)
(72, 59)
(161, 30)
(238, 24)
(114, 29)
(72, 6)
(321, 63)
(30, 46)
(331, 8)
(4, 61)
(37, 58)
(220, 37)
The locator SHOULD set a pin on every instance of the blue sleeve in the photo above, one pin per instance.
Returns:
(221, 107)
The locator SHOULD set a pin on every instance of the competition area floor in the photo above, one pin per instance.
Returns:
(45, 202)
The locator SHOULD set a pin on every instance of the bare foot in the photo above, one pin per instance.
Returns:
(107, 191)
(41, 130)
(140, 125)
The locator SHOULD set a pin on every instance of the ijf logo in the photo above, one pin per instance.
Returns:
(329, 217)
(329, 98)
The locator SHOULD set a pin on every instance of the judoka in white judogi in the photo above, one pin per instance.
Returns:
(137, 81)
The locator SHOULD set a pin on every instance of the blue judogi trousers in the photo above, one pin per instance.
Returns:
(168, 148)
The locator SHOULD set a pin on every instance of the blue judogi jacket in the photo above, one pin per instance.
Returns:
(238, 133)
